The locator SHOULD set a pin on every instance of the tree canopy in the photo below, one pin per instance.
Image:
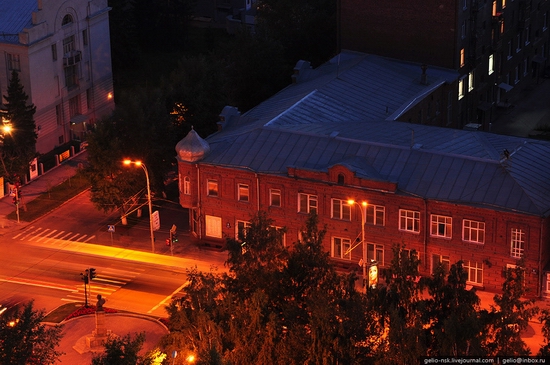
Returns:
(19, 145)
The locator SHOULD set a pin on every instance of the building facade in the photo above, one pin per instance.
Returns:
(499, 47)
(447, 194)
(61, 50)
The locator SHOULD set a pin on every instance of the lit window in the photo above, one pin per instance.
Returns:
(212, 186)
(503, 4)
(341, 248)
(494, 13)
(460, 89)
(517, 243)
(473, 231)
(213, 226)
(375, 252)
(462, 57)
(475, 272)
(243, 192)
(341, 210)
(275, 197)
(375, 214)
(307, 203)
(441, 226)
(491, 64)
(471, 81)
(409, 220)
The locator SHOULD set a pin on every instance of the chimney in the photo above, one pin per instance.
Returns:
(424, 77)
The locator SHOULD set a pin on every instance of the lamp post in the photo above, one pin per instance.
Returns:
(363, 207)
(142, 165)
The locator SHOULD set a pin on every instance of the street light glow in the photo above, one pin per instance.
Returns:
(128, 162)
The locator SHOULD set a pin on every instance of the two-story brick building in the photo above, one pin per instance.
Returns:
(448, 194)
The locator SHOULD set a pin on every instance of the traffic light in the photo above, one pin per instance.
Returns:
(174, 237)
(92, 273)
(85, 277)
(168, 241)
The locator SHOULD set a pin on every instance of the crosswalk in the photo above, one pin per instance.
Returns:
(49, 236)
(107, 281)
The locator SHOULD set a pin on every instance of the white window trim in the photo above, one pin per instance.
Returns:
(344, 207)
(517, 243)
(241, 195)
(372, 212)
(437, 221)
(186, 185)
(480, 228)
(475, 266)
(212, 182)
(343, 243)
(376, 248)
(240, 225)
(409, 216)
(312, 203)
(273, 192)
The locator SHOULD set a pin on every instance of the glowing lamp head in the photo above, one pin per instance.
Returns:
(351, 202)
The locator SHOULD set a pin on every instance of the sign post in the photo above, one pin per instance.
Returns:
(111, 229)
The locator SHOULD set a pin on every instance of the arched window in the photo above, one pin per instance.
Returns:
(187, 185)
(340, 179)
(67, 19)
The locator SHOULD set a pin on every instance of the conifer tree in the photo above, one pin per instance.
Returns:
(19, 145)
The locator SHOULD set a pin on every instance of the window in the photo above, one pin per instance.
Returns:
(212, 187)
(341, 210)
(71, 76)
(240, 230)
(473, 231)
(441, 226)
(213, 226)
(275, 197)
(463, 31)
(465, 5)
(503, 4)
(518, 42)
(527, 34)
(85, 37)
(59, 114)
(67, 19)
(341, 179)
(186, 185)
(375, 214)
(441, 260)
(475, 272)
(375, 252)
(517, 243)
(545, 21)
(14, 62)
(462, 57)
(74, 106)
(525, 66)
(68, 45)
(307, 203)
(509, 49)
(494, 13)
(54, 52)
(471, 81)
(516, 74)
(548, 282)
(89, 99)
(341, 248)
(409, 220)
(491, 64)
(243, 192)
(460, 89)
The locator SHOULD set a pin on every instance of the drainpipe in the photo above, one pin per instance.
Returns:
(257, 192)
(426, 227)
(199, 200)
(539, 287)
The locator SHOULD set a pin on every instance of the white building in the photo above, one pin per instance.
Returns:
(62, 51)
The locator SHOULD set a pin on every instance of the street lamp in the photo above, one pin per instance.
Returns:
(142, 165)
(363, 207)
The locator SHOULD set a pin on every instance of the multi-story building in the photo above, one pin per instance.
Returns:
(61, 50)
(499, 47)
(448, 194)
(231, 14)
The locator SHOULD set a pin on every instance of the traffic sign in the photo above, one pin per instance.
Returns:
(156, 220)
(111, 228)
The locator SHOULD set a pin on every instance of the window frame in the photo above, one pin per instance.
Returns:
(213, 226)
(517, 244)
(275, 193)
(441, 259)
(311, 203)
(375, 251)
(467, 231)
(344, 244)
(243, 193)
(343, 211)
(376, 215)
(438, 221)
(186, 185)
(240, 229)
(407, 216)
(212, 188)
(473, 267)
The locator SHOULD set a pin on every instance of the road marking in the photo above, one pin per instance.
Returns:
(74, 236)
(50, 239)
(46, 236)
(89, 239)
(39, 284)
(168, 297)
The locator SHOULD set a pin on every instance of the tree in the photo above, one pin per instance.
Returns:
(305, 28)
(25, 340)
(545, 319)
(456, 326)
(19, 146)
(510, 316)
(124, 351)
